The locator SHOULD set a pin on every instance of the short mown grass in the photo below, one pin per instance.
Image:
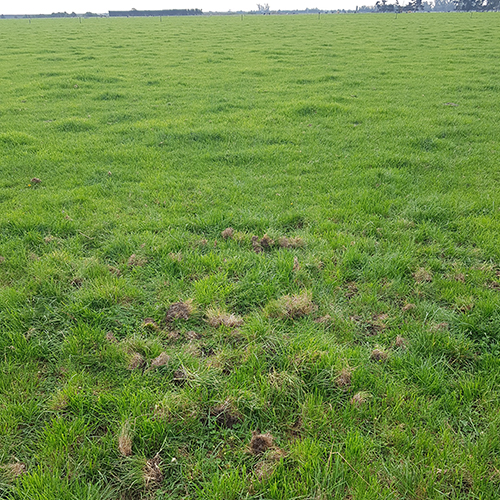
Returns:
(250, 257)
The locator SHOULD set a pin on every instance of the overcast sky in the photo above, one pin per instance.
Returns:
(101, 6)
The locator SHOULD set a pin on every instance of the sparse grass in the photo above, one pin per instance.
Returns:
(215, 225)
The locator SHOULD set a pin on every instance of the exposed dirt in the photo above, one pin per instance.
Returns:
(260, 443)
(225, 415)
(162, 360)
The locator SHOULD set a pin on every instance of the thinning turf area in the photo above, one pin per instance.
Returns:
(250, 257)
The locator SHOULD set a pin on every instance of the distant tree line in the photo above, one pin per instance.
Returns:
(149, 13)
(439, 5)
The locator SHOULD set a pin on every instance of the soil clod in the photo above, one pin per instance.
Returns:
(179, 310)
(260, 443)
(227, 233)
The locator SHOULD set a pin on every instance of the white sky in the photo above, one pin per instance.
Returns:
(101, 6)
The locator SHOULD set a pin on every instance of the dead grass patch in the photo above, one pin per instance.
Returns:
(285, 242)
(153, 475)
(217, 318)
(110, 337)
(401, 342)
(180, 310)
(114, 270)
(125, 441)
(227, 233)
(192, 335)
(360, 398)
(175, 256)
(293, 306)
(343, 379)
(14, 470)
(136, 261)
(378, 355)
(162, 360)
(408, 307)
(136, 361)
(422, 275)
(324, 319)
(296, 265)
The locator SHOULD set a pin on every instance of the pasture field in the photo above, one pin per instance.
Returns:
(262, 260)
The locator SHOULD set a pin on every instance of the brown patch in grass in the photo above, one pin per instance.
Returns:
(359, 398)
(49, 239)
(217, 318)
(227, 233)
(343, 379)
(180, 310)
(294, 306)
(137, 361)
(260, 443)
(110, 337)
(352, 290)
(153, 475)
(14, 470)
(173, 336)
(378, 355)
(125, 441)
(136, 261)
(421, 275)
(35, 180)
(175, 256)
(257, 248)
(400, 342)
(408, 307)
(114, 270)
(76, 282)
(440, 326)
(493, 285)
(264, 470)
(162, 360)
(2, 259)
(266, 242)
(226, 415)
(324, 319)
(192, 335)
(296, 265)
(180, 377)
(285, 242)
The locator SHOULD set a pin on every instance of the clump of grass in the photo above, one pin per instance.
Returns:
(180, 310)
(136, 261)
(125, 440)
(227, 233)
(260, 443)
(422, 275)
(217, 318)
(153, 475)
(285, 242)
(292, 306)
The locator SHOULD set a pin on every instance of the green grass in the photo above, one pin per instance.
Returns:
(370, 142)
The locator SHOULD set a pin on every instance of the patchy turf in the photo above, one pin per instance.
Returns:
(250, 258)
